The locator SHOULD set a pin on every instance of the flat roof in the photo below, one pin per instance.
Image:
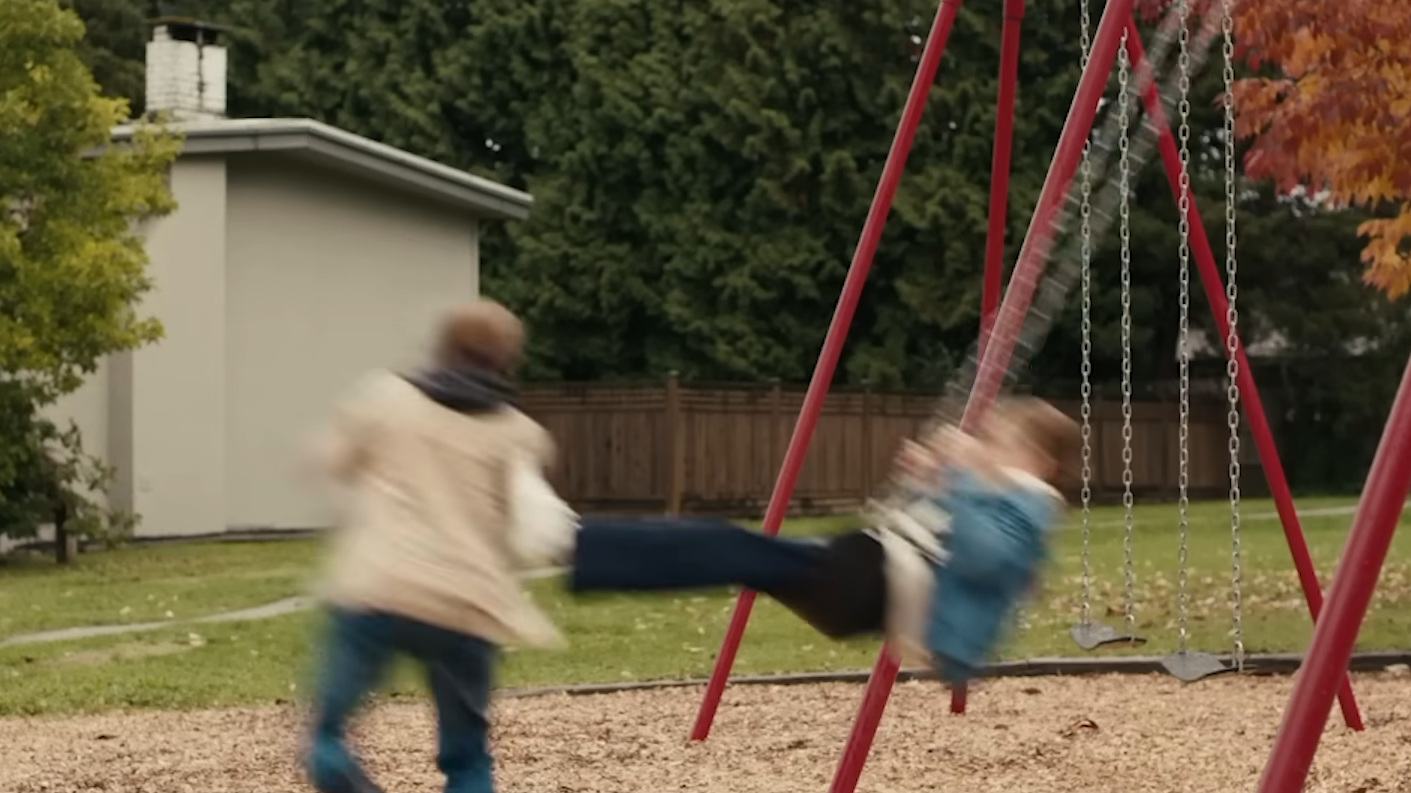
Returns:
(318, 142)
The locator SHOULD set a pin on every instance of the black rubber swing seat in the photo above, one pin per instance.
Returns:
(1189, 667)
(1093, 635)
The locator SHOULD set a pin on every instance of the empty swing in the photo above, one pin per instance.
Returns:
(1088, 634)
(1185, 664)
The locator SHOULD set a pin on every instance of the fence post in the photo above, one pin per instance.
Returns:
(675, 445)
(1098, 482)
(867, 451)
(776, 425)
(1166, 484)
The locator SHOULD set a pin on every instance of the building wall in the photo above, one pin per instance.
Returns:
(157, 414)
(88, 408)
(167, 400)
(327, 278)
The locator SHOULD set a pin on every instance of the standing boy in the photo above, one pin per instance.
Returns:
(423, 563)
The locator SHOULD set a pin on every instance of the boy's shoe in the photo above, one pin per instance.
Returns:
(335, 772)
(354, 782)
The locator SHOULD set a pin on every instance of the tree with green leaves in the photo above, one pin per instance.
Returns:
(1340, 345)
(702, 182)
(114, 44)
(72, 262)
(702, 170)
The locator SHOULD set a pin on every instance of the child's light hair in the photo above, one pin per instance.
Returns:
(481, 332)
(1051, 430)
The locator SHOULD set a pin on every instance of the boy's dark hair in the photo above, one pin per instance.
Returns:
(1051, 430)
(483, 334)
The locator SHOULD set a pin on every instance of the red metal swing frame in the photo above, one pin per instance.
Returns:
(1324, 676)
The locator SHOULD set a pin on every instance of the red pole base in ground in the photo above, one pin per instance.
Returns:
(1249, 391)
(1000, 347)
(1354, 583)
(833, 345)
(999, 208)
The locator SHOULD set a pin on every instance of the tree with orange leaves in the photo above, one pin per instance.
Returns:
(1334, 115)
(1338, 116)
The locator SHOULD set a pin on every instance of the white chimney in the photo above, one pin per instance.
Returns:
(185, 70)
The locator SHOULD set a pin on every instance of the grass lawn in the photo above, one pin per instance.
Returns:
(150, 583)
(616, 637)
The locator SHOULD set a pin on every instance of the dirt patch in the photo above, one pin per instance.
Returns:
(1043, 735)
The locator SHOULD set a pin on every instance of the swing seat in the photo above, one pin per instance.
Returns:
(1094, 635)
(1189, 667)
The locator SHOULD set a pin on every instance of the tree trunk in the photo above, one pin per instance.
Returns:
(65, 545)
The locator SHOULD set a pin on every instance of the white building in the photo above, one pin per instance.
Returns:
(299, 257)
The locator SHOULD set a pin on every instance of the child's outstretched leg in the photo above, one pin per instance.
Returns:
(837, 585)
(357, 652)
(662, 554)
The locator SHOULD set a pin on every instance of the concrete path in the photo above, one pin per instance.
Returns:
(1321, 512)
(279, 608)
(303, 602)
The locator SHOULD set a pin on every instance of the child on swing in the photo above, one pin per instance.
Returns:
(940, 578)
(448, 505)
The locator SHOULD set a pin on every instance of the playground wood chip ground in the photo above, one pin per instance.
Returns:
(1034, 735)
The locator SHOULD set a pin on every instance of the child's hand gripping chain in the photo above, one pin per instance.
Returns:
(917, 514)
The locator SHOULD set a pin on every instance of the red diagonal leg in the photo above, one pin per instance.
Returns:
(833, 344)
(1004, 335)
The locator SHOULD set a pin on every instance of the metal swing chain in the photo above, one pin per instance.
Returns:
(1232, 338)
(1124, 226)
(1066, 267)
(1086, 232)
(1051, 291)
(1184, 134)
(1050, 297)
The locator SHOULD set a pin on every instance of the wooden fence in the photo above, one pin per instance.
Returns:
(717, 449)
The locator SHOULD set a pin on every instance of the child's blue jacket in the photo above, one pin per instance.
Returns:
(996, 544)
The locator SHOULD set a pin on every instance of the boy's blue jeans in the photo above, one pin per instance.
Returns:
(358, 651)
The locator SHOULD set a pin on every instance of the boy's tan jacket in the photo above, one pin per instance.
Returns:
(424, 530)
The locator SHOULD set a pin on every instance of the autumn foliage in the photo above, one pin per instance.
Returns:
(1333, 114)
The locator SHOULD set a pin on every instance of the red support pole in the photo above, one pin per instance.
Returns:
(996, 356)
(999, 168)
(999, 198)
(1249, 391)
(1038, 242)
(822, 379)
(1349, 596)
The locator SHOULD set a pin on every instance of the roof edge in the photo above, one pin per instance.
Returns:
(353, 152)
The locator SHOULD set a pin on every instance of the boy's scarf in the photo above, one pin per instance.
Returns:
(465, 389)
